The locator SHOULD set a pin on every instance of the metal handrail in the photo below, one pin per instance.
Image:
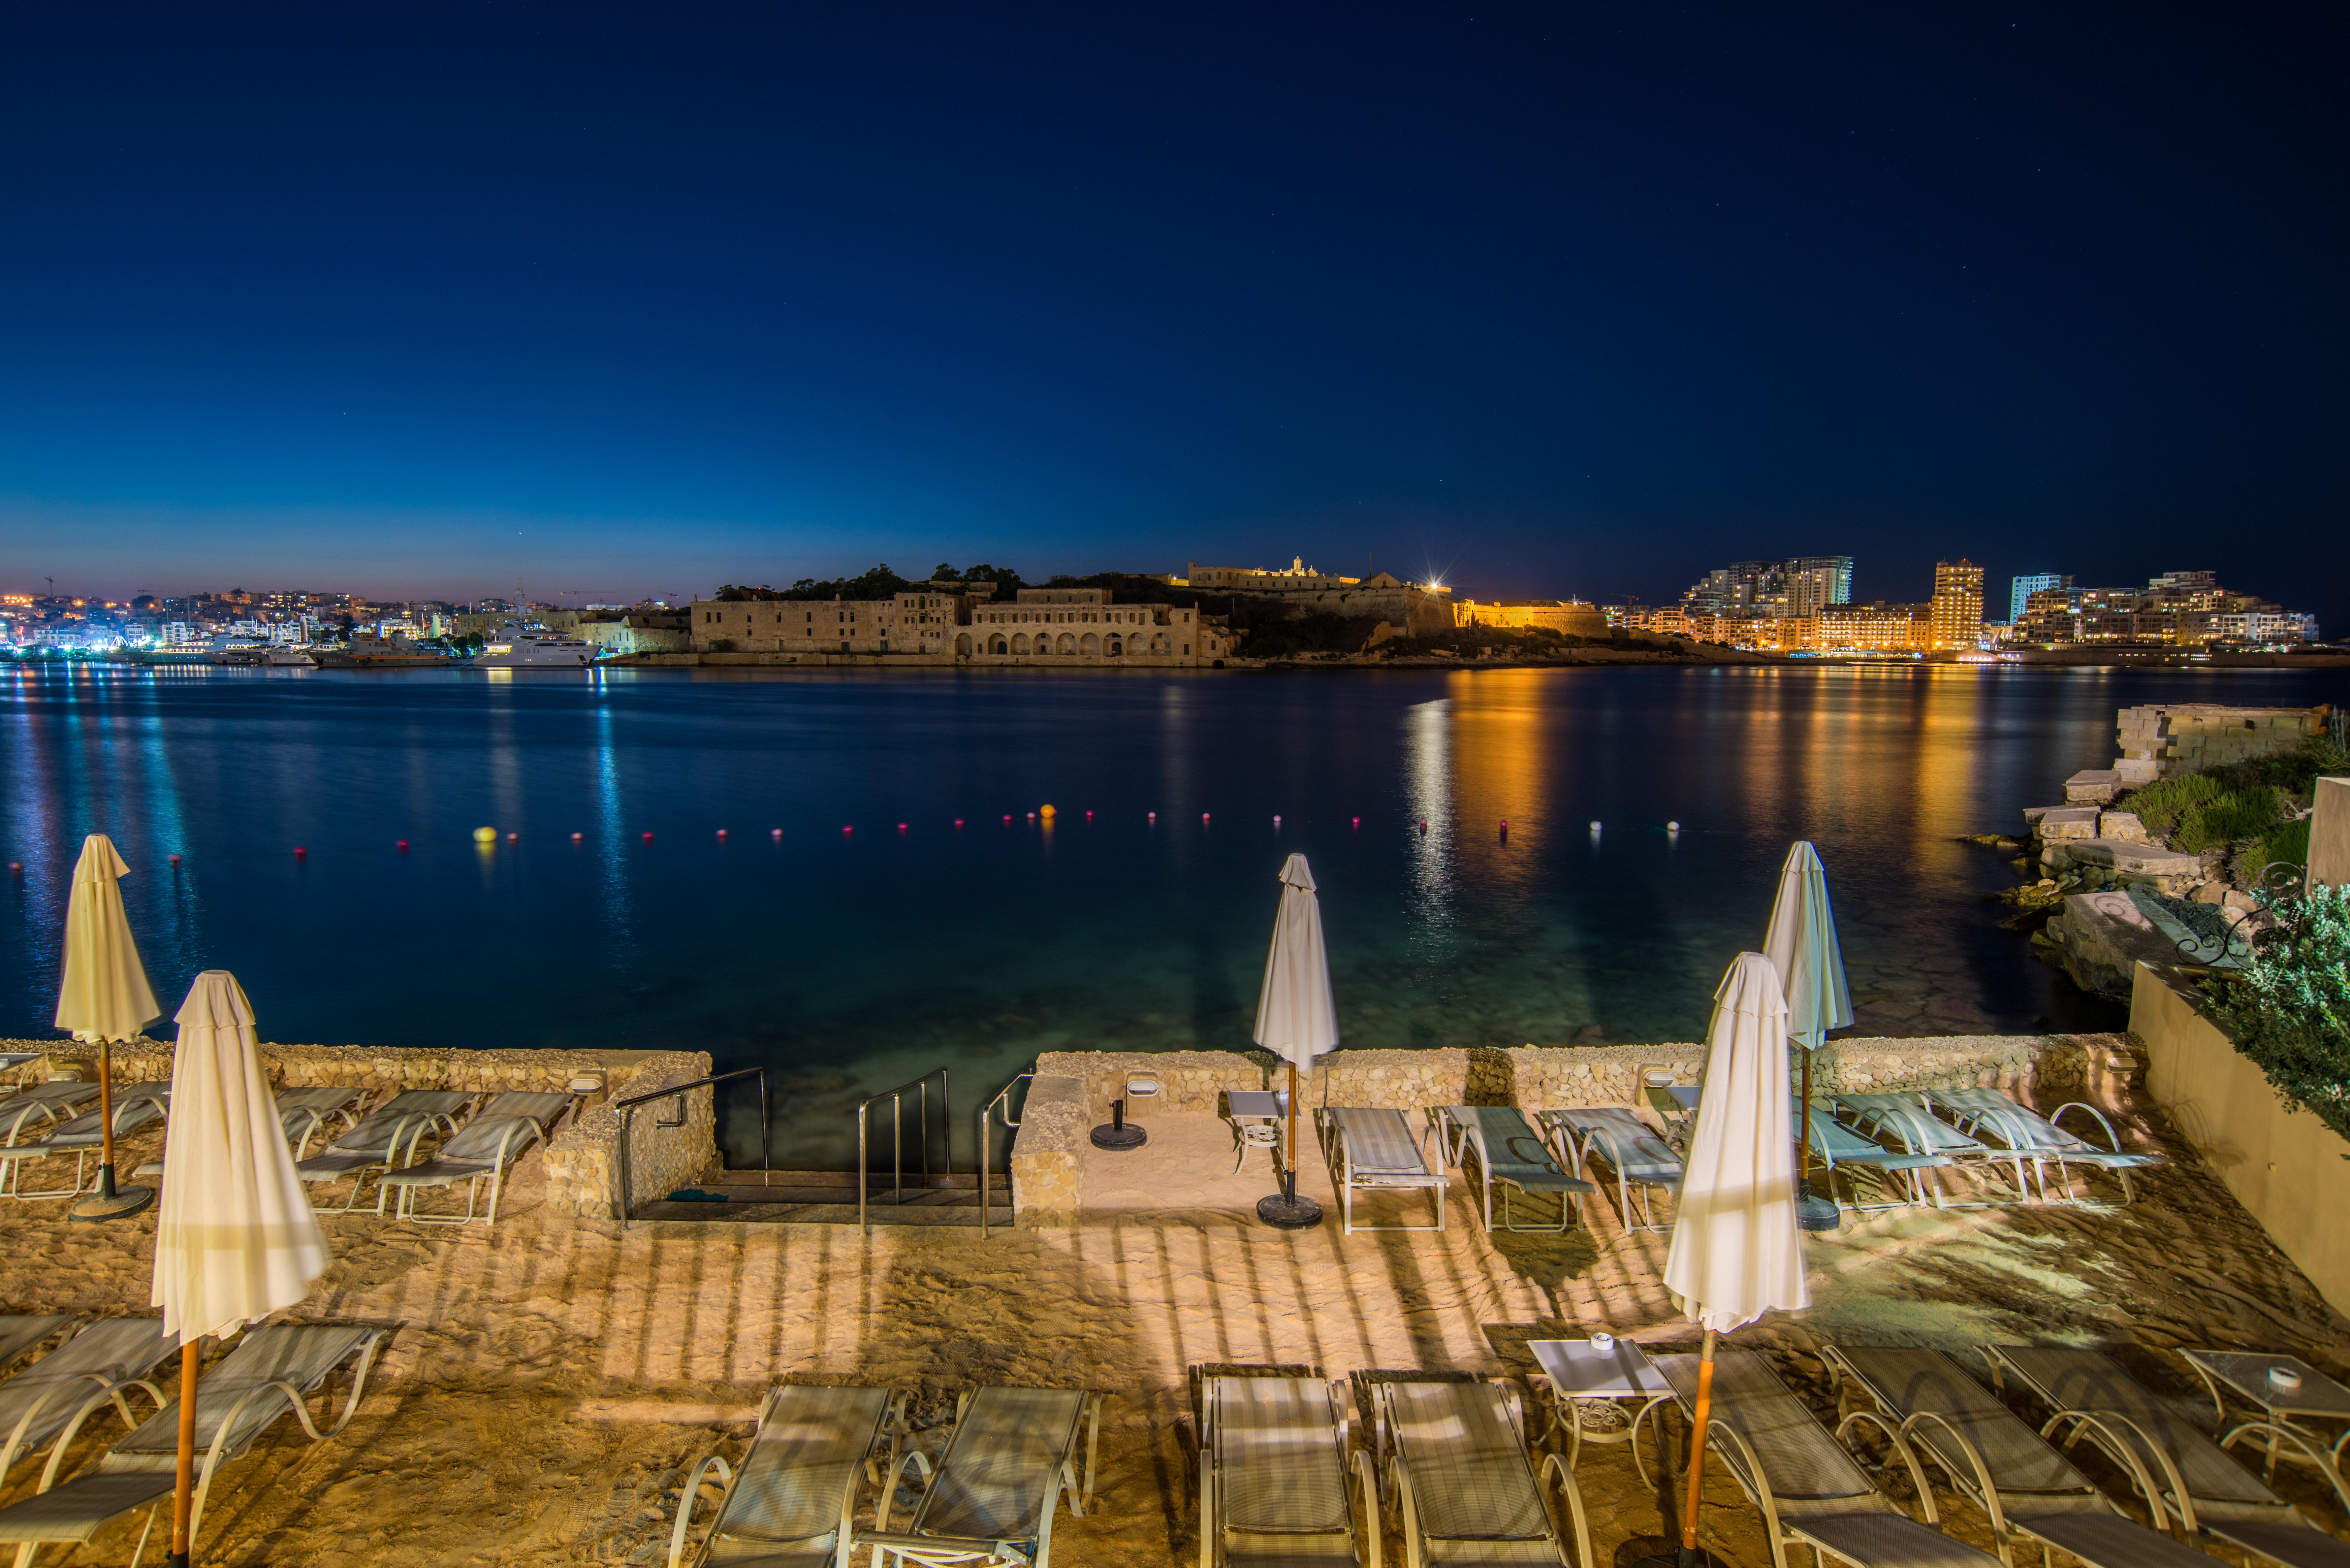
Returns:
(1002, 1097)
(897, 1138)
(677, 1092)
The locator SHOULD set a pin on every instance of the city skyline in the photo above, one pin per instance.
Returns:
(1536, 307)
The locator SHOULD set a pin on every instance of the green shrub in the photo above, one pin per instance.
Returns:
(2225, 818)
(2160, 805)
(2296, 770)
(2289, 843)
(2289, 1009)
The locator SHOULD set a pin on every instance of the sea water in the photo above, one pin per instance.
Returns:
(882, 902)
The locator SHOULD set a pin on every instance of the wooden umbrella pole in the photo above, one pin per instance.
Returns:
(1804, 1133)
(1289, 1156)
(184, 1495)
(1698, 1423)
(106, 1118)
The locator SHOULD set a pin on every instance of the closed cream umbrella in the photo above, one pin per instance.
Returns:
(105, 997)
(1802, 946)
(1736, 1251)
(1296, 1020)
(235, 1238)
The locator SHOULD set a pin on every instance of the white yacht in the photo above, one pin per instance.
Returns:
(517, 647)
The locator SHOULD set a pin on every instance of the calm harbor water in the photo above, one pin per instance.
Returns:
(849, 960)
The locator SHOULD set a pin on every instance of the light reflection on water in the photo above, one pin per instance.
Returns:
(850, 962)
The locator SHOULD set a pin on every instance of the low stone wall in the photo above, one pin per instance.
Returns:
(1048, 1152)
(582, 1160)
(1398, 1080)
(1550, 1077)
(2289, 1168)
(1189, 1081)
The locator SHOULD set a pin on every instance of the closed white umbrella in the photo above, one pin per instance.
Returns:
(1736, 1251)
(104, 997)
(1296, 1018)
(235, 1238)
(1802, 946)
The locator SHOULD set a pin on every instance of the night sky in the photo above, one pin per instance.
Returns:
(624, 300)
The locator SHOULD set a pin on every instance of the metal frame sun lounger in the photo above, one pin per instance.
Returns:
(500, 1133)
(1459, 1474)
(96, 1365)
(2197, 1483)
(790, 1501)
(54, 1100)
(1275, 1474)
(1904, 1119)
(1809, 1489)
(1926, 1401)
(302, 1112)
(1010, 1460)
(1840, 1148)
(135, 1106)
(267, 1375)
(1634, 1150)
(2031, 1136)
(1371, 1149)
(22, 1333)
(1524, 1161)
(374, 1143)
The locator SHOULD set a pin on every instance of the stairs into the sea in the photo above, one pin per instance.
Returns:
(829, 1197)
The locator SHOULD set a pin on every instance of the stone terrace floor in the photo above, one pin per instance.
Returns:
(548, 1384)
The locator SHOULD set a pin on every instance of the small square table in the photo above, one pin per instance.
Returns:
(2315, 1397)
(1580, 1373)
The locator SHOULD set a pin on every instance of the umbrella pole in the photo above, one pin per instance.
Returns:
(1812, 1212)
(1284, 1210)
(109, 1202)
(184, 1494)
(1289, 1161)
(1698, 1424)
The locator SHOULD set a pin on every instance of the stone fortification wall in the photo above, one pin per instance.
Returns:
(2156, 742)
(582, 1160)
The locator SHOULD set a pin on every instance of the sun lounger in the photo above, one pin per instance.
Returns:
(378, 1141)
(1629, 1147)
(18, 1063)
(1010, 1460)
(789, 1502)
(1993, 1457)
(24, 1114)
(1273, 1475)
(2030, 1136)
(136, 1105)
(22, 1333)
(2198, 1482)
(1903, 1119)
(98, 1366)
(1809, 1489)
(1458, 1472)
(302, 1112)
(1840, 1148)
(1372, 1150)
(266, 1376)
(1509, 1154)
(499, 1134)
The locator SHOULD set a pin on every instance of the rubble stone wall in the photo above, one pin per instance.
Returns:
(2156, 742)
(1048, 1162)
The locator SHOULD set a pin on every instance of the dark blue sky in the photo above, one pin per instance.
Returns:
(620, 300)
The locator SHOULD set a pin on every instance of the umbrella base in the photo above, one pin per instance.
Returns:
(111, 1203)
(1114, 1136)
(1813, 1212)
(1678, 1558)
(1286, 1211)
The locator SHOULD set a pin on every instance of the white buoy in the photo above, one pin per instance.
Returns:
(1595, 827)
(1672, 827)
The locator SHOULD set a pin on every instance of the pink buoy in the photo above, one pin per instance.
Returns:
(901, 828)
(577, 837)
(1276, 819)
(1358, 822)
(402, 846)
(648, 837)
(175, 860)
(1505, 824)
(722, 833)
(1032, 816)
(846, 828)
(958, 822)
(771, 833)
(1154, 816)
(16, 868)
(1203, 816)
(1089, 817)
(1007, 817)
(511, 837)
(300, 853)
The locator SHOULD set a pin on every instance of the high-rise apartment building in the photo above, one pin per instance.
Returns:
(2020, 589)
(1956, 611)
(1799, 589)
(1815, 582)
